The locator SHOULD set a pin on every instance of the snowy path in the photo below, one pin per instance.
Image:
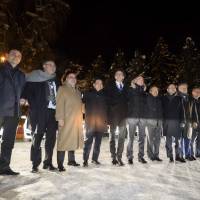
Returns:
(156, 181)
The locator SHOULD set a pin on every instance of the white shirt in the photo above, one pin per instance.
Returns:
(50, 102)
(118, 84)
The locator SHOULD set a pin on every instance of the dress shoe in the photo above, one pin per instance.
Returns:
(120, 162)
(35, 170)
(158, 159)
(61, 169)
(96, 162)
(49, 166)
(130, 161)
(114, 162)
(171, 159)
(142, 160)
(73, 163)
(193, 158)
(179, 159)
(8, 171)
(85, 164)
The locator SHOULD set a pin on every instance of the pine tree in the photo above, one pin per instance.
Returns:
(191, 62)
(164, 66)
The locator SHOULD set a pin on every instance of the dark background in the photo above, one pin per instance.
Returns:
(101, 27)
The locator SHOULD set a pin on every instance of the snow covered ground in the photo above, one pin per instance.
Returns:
(156, 181)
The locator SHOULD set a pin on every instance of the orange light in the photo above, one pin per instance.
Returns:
(2, 59)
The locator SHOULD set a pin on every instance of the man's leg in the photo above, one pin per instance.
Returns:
(121, 139)
(97, 145)
(157, 139)
(141, 127)
(36, 152)
(198, 144)
(150, 142)
(60, 160)
(50, 137)
(168, 146)
(87, 146)
(112, 142)
(131, 134)
(9, 134)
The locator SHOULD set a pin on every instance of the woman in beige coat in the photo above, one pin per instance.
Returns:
(69, 116)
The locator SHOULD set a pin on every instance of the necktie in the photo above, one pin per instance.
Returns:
(120, 87)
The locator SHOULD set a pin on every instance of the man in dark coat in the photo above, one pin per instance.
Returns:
(154, 123)
(117, 113)
(173, 115)
(187, 122)
(95, 120)
(12, 82)
(136, 117)
(40, 91)
(195, 144)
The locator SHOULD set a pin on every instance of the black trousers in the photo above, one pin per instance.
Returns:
(117, 152)
(61, 157)
(97, 137)
(169, 149)
(9, 125)
(36, 152)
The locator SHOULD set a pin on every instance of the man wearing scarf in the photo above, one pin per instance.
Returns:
(40, 91)
(136, 117)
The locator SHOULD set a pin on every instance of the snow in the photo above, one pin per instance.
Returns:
(170, 181)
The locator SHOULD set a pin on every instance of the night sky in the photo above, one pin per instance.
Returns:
(101, 27)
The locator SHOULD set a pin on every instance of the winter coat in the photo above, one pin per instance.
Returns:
(12, 82)
(172, 115)
(96, 111)
(69, 109)
(117, 104)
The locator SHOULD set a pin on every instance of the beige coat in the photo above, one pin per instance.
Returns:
(69, 109)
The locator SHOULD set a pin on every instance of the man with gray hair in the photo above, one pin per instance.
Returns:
(40, 91)
(12, 82)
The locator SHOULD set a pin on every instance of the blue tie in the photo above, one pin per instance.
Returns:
(120, 87)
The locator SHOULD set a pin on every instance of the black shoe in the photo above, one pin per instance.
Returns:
(85, 164)
(8, 171)
(158, 159)
(96, 162)
(61, 169)
(171, 159)
(130, 161)
(35, 170)
(142, 160)
(49, 166)
(114, 162)
(73, 163)
(120, 162)
(182, 160)
(193, 158)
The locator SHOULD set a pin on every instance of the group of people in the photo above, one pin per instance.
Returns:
(58, 109)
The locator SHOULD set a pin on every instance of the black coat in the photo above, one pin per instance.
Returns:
(117, 104)
(154, 110)
(96, 111)
(12, 82)
(172, 115)
(137, 99)
(36, 94)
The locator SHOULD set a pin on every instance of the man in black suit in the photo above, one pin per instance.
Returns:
(117, 112)
(12, 82)
(40, 91)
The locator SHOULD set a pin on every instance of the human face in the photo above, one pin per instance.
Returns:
(98, 85)
(171, 89)
(14, 57)
(139, 81)
(119, 76)
(183, 88)
(71, 79)
(195, 93)
(154, 91)
(49, 67)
